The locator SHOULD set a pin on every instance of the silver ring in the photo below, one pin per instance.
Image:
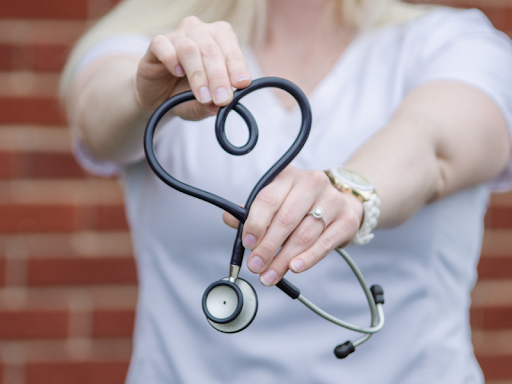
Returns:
(318, 213)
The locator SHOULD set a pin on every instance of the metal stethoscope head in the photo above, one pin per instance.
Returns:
(230, 304)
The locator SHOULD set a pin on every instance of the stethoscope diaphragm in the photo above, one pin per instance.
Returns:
(230, 307)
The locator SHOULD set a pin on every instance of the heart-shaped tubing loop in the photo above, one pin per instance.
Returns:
(239, 212)
(149, 134)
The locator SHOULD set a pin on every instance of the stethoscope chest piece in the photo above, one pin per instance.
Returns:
(230, 307)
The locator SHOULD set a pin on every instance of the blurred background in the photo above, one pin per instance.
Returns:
(68, 283)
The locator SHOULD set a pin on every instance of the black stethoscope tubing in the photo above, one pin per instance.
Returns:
(239, 212)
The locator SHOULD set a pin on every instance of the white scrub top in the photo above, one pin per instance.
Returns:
(427, 266)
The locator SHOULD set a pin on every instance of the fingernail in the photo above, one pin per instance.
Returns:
(297, 265)
(241, 77)
(221, 95)
(205, 95)
(179, 70)
(255, 264)
(249, 241)
(267, 278)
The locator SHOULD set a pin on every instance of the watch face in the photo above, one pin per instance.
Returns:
(354, 179)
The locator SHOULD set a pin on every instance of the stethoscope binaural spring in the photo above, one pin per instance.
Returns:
(230, 304)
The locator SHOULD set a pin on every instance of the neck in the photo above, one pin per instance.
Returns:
(304, 38)
(303, 22)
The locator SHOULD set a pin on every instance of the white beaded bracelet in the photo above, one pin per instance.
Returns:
(371, 209)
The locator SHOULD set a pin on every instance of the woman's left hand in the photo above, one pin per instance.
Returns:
(279, 218)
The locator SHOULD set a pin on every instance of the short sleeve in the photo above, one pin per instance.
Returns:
(462, 45)
(128, 44)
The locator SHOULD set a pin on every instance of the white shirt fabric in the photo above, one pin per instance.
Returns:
(427, 266)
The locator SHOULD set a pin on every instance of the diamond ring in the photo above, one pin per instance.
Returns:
(318, 213)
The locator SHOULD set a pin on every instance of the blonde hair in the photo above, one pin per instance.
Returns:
(152, 17)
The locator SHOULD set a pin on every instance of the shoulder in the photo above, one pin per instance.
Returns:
(437, 28)
(444, 24)
(132, 44)
(449, 18)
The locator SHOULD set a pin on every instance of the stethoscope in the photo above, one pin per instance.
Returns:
(230, 304)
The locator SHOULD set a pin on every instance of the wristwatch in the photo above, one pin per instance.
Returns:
(349, 181)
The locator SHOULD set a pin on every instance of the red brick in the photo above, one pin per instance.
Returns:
(499, 218)
(30, 218)
(39, 165)
(34, 218)
(2, 273)
(41, 9)
(50, 57)
(7, 165)
(76, 373)
(491, 318)
(51, 165)
(111, 217)
(81, 271)
(496, 367)
(33, 324)
(495, 267)
(113, 323)
(40, 57)
(6, 57)
(31, 110)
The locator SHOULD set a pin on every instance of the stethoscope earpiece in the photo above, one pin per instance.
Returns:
(230, 307)
(345, 349)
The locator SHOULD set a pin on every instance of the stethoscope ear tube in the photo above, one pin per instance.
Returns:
(374, 295)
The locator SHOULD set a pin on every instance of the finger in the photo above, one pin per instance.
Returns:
(230, 220)
(236, 65)
(193, 110)
(263, 209)
(190, 59)
(214, 64)
(331, 202)
(302, 238)
(161, 50)
(338, 234)
(285, 221)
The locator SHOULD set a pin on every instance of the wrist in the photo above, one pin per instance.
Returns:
(356, 206)
(136, 95)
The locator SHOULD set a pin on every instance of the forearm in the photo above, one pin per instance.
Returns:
(105, 110)
(443, 138)
(401, 162)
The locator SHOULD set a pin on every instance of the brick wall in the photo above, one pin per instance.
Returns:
(67, 278)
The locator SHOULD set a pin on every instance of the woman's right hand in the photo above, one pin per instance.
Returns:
(197, 56)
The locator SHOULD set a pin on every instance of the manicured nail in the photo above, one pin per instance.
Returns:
(249, 241)
(297, 265)
(221, 95)
(241, 77)
(267, 278)
(205, 95)
(179, 70)
(255, 264)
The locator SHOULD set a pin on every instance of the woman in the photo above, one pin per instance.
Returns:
(416, 99)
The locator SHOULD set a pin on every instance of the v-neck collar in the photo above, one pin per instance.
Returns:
(327, 87)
